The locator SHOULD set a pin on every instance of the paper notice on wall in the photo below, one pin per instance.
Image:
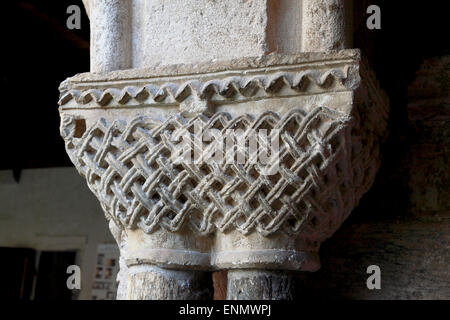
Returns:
(106, 269)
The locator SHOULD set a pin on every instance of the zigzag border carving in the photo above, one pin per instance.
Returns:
(234, 87)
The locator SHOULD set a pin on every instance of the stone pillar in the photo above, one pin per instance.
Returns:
(146, 282)
(323, 25)
(110, 35)
(260, 285)
(227, 66)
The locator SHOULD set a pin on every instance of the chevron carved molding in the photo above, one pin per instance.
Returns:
(122, 132)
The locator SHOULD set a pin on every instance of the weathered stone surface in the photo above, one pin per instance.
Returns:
(323, 27)
(411, 252)
(260, 285)
(202, 30)
(148, 33)
(153, 283)
(304, 61)
(110, 35)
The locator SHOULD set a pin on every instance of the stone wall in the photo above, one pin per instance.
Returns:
(53, 210)
(403, 223)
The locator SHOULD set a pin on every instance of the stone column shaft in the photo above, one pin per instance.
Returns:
(260, 285)
(147, 282)
(323, 26)
(110, 35)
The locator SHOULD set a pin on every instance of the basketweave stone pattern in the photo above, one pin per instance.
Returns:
(128, 168)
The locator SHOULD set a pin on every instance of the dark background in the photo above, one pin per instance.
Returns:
(39, 52)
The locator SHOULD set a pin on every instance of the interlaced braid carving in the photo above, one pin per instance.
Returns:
(129, 168)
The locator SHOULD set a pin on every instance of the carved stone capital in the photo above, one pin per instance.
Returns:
(122, 129)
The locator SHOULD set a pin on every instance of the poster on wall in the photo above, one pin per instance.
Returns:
(107, 266)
